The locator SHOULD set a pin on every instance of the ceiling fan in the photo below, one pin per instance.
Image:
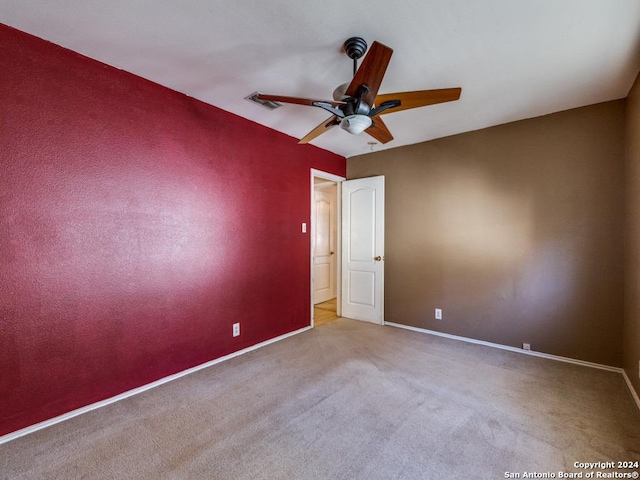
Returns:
(356, 106)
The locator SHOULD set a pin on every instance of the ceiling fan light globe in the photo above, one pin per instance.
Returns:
(355, 124)
(340, 93)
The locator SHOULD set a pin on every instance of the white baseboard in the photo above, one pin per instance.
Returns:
(634, 394)
(526, 352)
(103, 403)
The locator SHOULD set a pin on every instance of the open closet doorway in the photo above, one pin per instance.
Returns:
(325, 247)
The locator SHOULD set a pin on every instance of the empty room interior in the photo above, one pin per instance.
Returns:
(327, 240)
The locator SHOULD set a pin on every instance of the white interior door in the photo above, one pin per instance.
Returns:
(363, 249)
(324, 258)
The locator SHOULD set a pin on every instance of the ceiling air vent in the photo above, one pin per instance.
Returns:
(265, 103)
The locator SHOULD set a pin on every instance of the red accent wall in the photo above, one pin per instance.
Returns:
(136, 226)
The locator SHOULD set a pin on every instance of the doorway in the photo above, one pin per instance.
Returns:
(325, 247)
(347, 266)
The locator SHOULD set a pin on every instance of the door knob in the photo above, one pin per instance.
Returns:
(378, 258)
(330, 253)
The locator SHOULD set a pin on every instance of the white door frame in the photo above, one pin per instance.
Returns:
(338, 180)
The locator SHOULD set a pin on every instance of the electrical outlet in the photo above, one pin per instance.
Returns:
(438, 314)
(236, 329)
(526, 346)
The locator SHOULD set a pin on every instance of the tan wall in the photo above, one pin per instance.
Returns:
(631, 345)
(515, 231)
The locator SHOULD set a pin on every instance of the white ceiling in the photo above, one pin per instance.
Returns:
(514, 59)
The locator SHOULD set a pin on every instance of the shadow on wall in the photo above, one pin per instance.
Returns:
(481, 228)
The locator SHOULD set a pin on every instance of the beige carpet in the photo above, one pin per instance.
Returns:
(348, 400)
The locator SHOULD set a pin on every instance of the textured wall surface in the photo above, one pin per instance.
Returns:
(631, 347)
(516, 231)
(136, 226)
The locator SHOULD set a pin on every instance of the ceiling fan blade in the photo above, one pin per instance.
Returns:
(379, 131)
(320, 129)
(420, 98)
(298, 101)
(371, 72)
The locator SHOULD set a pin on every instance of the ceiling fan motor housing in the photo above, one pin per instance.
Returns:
(353, 107)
